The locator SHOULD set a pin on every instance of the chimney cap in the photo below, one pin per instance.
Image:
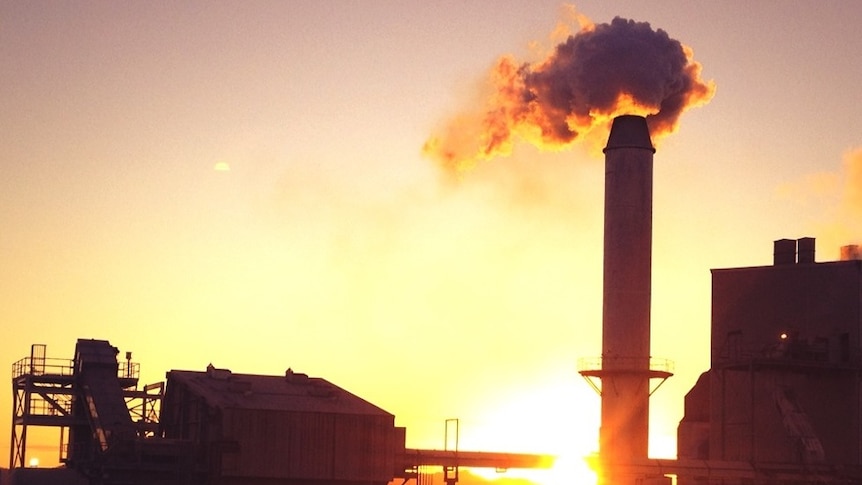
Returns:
(629, 131)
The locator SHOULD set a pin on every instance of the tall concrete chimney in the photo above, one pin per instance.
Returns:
(625, 373)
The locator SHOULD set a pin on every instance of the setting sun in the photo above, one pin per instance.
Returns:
(554, 416)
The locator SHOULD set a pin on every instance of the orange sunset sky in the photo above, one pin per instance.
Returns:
(243, 184)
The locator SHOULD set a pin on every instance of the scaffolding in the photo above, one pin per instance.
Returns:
(44, 394)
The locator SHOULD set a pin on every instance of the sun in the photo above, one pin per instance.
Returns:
(558, 417)
(567, 470)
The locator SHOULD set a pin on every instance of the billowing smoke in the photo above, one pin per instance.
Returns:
(624, 67)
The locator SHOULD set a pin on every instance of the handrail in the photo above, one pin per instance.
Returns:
(40, 366)
(625, 363)
(43, 366)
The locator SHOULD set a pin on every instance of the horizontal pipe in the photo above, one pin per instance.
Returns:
(475, 459)
(729, 470)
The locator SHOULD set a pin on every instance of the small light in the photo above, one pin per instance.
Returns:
(783, 336)
(34, 462)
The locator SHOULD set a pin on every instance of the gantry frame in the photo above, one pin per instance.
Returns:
(43, 393)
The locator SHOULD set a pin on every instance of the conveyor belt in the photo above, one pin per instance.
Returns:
(96, 374)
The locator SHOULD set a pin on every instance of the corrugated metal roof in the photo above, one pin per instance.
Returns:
(291, 392)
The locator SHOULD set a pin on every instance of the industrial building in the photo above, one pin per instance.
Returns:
(213, 427)
(280, 427)
(784, 388)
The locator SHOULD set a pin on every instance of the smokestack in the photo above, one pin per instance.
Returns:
(625, 373)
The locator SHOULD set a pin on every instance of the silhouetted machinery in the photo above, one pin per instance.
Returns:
(213, 427)
(109, 428)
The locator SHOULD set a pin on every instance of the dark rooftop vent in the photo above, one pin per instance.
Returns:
(218, 374)
(784, 251)
(792, 251)
(805, 250)
(296, 377)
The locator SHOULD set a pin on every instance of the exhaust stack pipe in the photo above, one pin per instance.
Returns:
(625, 373)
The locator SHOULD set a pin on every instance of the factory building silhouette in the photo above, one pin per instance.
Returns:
(213, 427)
(784, 388)
(781, 403)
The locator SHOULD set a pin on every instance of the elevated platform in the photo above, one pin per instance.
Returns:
(600, 367)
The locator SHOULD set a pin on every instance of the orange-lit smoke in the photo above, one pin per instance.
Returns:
(837, 198)
(849, 223)
(624, 67)
(853, 189)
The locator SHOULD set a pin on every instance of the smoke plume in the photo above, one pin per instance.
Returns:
(624, 67)
(834, 199)
(848, 225)
(853, 189)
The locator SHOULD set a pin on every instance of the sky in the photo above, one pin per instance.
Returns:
(244, 184)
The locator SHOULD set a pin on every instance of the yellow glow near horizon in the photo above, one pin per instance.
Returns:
(553, 417)
(568, 469)
(251, 181)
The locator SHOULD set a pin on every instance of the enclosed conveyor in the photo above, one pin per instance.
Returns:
(96, 375)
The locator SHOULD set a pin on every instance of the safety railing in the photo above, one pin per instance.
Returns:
(654, 364)
(42, 366)
(39, 366)
(129, 370)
